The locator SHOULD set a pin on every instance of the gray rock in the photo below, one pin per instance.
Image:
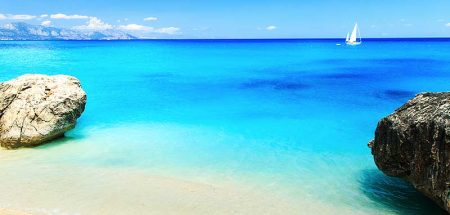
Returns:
(35, 109)
(414, 143)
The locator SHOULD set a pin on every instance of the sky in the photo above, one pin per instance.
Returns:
(238, 18)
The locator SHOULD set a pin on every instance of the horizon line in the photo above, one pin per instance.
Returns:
(305, 38)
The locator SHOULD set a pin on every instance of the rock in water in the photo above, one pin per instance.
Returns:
(37, 108)
(414, 143)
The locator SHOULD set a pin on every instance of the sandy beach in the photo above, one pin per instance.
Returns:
(12, 212)
(65, 189)
(100, 191)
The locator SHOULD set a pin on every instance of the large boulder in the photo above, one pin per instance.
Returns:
(35, 109)
(414, 143)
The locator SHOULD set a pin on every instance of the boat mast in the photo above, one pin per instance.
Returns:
(354, 33)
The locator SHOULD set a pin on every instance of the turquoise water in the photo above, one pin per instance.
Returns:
(291, 117)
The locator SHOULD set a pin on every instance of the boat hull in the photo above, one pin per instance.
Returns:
(353, 43)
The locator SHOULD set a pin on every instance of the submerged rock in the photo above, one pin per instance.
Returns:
(414, 143)
(37, 108)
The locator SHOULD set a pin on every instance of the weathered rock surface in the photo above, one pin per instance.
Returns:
(37, 108)
(414, 143)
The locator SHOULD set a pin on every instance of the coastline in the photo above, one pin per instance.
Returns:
(58, 188)
(132, 192)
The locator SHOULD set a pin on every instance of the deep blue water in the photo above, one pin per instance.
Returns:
(295, 114)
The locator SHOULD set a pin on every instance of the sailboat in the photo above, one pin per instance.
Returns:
(352, 39)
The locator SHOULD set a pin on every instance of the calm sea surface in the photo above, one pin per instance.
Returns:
(289, 118)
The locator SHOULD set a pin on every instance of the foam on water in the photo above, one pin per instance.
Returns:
(282, 119)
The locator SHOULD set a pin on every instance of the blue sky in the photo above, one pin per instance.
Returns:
(238, 19)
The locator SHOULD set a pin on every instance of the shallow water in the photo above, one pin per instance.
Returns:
(284, 118)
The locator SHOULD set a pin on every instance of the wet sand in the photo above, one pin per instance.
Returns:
(60, 189)
(12, 212)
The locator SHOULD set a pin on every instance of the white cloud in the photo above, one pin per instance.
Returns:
(16, 17)
(135, 27)
(147, 29)
(151, 18)
(23, 17)
(168, 30)
(94, 23)
(448, 24)
(44, 15)
(46, 23)
(271, 27)
(64, 16)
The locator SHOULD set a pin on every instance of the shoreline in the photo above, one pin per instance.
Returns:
(72, 186)
(126, 191)
(88, 190)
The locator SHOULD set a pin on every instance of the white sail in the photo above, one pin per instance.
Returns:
(354, 34)
(348, 37)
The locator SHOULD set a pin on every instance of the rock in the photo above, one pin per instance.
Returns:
(35, 109)
(413, 143)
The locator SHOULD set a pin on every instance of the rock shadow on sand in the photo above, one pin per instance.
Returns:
(396, 195)
(60, 141)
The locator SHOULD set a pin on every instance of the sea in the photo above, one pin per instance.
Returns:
(254, 126)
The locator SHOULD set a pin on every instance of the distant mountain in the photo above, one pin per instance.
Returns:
(24, 31)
